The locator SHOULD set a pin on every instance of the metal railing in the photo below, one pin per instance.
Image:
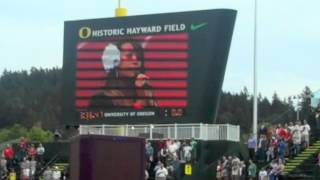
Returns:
(200, 131)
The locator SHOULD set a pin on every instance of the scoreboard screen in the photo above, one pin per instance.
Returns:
(163, 68)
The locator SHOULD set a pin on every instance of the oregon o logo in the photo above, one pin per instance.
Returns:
(84, 32)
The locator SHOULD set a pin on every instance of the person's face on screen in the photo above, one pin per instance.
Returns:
(130, 63)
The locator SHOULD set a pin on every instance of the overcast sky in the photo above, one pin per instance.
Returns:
(288, 37)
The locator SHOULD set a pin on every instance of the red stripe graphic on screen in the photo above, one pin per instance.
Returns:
(157, 93)
(171, 84)
(151, 74)
(90, 84)
(166, 65)
(178, 55)
(148, 65)
(166, 74)
(91, 45)
(89, 55)
(181, 37)
(166, 55)
(156, 64)
(167, 37)
(165, 46)
(150, 46)
(89, 65)
(162, 103)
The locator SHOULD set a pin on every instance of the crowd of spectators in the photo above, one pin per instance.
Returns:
(166, 157)
(24, 161)
(283, 141)
(273, 147)
(276, 144)
(232, 168)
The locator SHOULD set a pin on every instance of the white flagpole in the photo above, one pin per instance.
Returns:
(255, 82)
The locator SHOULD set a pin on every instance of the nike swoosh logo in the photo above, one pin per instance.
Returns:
(195, 27)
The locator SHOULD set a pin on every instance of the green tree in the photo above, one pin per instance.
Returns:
(17, 131)
(305, 96)
(30, 97)
(4, 135)
(39, 135)
(264, 109)
(14, 132)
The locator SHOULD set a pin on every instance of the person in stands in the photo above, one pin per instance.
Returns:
(194, 145)
(22, 148)
(281, 149)
(263, 174)
(305, 133)
(56, 173)
(33, 167)
(187, 152)
(146, 176)
(40, 152)
(25, 169)
(296, 138)
(47, 174)
(3, 167)
(32, 151)
(235, 168)
(252, 146)
(149, 154)
(12, 175)
(263, 130)
(161, 173)
(219, 170)
(252, 170)
(9, 155)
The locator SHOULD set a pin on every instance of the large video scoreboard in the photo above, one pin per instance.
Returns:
(162, 68)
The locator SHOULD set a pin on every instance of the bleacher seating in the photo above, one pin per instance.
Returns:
(303, 166)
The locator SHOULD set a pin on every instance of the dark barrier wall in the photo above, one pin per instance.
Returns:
(164, 68)
(107, 158)
(208, 152)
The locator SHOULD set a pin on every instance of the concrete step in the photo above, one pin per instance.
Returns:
(304, 155)
(296, 161)
(297, 171)
(290, 167)
(298, 177)
(312, 149)
(308, 152)
(61, 166)
(300, 158)
(307, 166)
(293, 164)
(288, 170)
